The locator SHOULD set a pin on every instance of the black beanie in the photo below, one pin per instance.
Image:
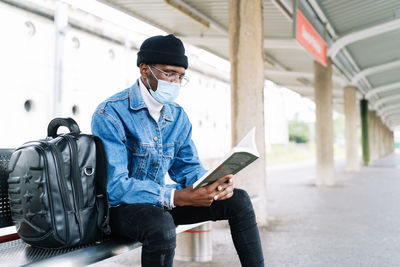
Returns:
(160, 49)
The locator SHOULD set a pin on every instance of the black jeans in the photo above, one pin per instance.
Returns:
(155, 227)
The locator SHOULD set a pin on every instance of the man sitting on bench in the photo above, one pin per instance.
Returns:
(147, 135)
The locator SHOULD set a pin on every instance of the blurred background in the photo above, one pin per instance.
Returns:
(98, 63)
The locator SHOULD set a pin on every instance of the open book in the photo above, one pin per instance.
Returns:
(240, 156)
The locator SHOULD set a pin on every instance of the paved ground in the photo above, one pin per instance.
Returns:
(354, 223)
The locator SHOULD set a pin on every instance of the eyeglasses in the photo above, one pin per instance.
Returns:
(173, 76)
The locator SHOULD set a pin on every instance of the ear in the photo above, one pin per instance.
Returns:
(144, 70)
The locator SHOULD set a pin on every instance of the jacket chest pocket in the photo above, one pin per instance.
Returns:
(139, 155)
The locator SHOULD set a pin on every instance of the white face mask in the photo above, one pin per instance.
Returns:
(166, 92)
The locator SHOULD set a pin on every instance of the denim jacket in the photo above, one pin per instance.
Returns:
(140, 150)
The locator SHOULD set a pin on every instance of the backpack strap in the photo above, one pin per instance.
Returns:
(101, 187)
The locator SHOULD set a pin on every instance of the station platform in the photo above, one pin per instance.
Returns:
(354, 223)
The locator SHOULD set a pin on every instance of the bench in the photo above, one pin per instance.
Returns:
(15, 252)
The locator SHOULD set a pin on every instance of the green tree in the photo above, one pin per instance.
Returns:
(299, 132)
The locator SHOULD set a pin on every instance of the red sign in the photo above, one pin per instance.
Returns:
(309, 38)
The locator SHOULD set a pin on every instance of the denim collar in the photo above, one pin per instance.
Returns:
(136, 102)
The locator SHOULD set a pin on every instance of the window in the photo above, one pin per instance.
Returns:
(28, 105)
(111, 54)
(75, 42)
(30, 28)
(75, 110)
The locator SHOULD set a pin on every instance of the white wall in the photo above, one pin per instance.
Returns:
(94, 69)
(26, 73)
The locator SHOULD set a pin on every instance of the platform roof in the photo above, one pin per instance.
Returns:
(363, 40)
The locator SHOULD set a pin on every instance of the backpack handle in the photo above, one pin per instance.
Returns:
(67, 122)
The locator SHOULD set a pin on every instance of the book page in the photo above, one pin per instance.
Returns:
(241, 156)
(248, 143)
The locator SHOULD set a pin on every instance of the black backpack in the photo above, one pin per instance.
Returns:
(57, 188)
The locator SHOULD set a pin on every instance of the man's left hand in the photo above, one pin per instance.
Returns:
(225, 190)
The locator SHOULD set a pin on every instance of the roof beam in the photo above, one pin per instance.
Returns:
(268, 43)
(393, 116)
(382, 89)
(298, 74)
(375, 69)
(362, 34)
(392, 113)
(384, 100)
(206, 40)
(324, 19)
(136, 15)
(328, 26)
(388, 108)
(308, 91)
(394, 123)
(272, 43)
(282, 7)
(391, 123)
(304, 91)
(196, 15)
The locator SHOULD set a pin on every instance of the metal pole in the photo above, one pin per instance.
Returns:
(364, 130)
(350, 111)
(61, 25)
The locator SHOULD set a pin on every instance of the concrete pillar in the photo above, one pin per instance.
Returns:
(388, 148)
(247, 92)
(381, 129)
(383, 140)
(364, 130)
(373, 138)
(350, 112)
(388, 140)
(379, 138)
(392, 145)
(386, 144)
(324, 123)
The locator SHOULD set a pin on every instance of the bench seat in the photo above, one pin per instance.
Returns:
(19, 253)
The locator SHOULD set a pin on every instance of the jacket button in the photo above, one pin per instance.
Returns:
(155, 163)
(155, 139)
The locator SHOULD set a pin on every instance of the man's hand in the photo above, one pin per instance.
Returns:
(225, 190)
(204, 196)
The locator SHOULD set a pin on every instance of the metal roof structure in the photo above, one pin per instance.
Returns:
(362, 36)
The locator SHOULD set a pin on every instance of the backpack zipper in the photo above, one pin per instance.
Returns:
(77, 189)
(61, 182)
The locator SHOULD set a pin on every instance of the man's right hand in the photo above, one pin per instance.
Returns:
(203, 196)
